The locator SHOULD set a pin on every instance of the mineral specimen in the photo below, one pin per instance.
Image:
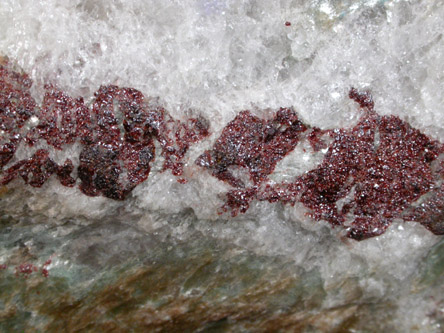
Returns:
(164, 256)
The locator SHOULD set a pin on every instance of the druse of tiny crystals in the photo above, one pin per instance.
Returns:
(172, 246)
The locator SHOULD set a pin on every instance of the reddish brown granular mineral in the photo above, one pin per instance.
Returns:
(369, 176)
(117, 157)
(45, 271)
(379, 170)
(25, 270)
(16, 107)
(380, 176)
(314, 137)
(117, 136)
(36, 170)
(254, 144)
(57, 119)
(176, 138)
(123, 143)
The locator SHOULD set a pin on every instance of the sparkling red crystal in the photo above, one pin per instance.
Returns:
(253, 144)
(372, 173)
(117, 136)
(16, 107)
(25, 269)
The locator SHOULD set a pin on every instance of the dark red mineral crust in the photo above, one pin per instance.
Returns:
(253, 143)
(372, 173)
(117, 136)
(25, 269)
(16, 107)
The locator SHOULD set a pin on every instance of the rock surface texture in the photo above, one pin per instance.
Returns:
(288, 177)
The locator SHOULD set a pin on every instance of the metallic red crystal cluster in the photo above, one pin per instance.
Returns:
(27, 269)
(377, 171)
(117, 136)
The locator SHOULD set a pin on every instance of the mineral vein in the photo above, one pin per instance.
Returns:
(379, 170)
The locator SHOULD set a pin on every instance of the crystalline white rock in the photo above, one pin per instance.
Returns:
(220, 57)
